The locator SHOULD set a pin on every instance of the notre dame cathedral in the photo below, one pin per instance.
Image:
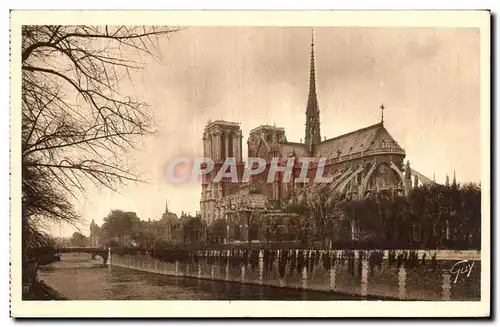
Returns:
(360, 162)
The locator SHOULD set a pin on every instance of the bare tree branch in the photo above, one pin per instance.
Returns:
(76, 125)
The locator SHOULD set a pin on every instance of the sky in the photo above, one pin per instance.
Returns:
(427, 79)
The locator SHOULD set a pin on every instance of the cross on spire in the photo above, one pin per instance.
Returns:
(382, 108)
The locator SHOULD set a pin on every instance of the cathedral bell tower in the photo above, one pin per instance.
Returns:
(313, 135)
(221, 140)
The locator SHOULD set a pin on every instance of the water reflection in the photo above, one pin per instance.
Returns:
(80, 278)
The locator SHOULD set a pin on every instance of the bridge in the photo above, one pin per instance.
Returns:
(103, 252)
(48, 255)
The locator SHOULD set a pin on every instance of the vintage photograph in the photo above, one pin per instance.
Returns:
(297, 162)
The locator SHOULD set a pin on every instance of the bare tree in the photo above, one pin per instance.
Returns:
(325, 205)
(301, 222)
(75, 122)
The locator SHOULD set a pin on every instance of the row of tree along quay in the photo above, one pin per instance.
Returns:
(431, 217)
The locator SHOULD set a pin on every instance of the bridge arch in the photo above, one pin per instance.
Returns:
(92, 251)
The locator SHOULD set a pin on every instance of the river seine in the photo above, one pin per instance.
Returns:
(78, 277)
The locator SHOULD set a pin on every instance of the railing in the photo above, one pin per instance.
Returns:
(325, 270)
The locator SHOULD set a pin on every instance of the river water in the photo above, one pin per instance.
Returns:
(80, 278)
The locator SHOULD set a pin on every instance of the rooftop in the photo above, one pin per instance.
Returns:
(267, 127)
(356, 141)
(221, 122)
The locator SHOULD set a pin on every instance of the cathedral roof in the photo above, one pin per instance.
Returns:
(356, 141)
(294, 149)
(169, 216)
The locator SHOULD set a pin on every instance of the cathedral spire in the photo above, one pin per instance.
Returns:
(166, 206)
(312, 101)
(313, 135)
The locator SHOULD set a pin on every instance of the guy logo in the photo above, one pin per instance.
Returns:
(463, 267)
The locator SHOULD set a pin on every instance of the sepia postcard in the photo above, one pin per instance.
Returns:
(250, 164)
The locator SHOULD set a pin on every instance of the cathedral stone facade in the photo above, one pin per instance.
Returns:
(360, 162)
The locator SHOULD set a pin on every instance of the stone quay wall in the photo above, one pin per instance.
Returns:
(397, 275)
